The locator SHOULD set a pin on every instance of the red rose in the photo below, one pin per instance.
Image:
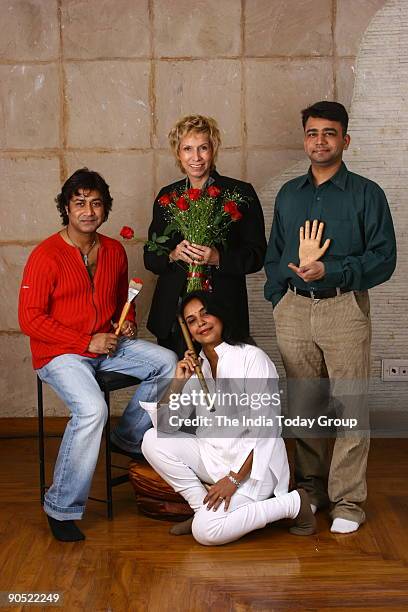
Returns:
(165, 200)
(194, 194)
(213, 191)
(182, 204)
(236, 216)
(206, 285)
(230, 207)
(127, 232)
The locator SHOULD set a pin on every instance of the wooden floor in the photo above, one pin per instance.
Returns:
(131, 563)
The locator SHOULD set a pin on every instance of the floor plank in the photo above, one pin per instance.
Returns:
(132, 563)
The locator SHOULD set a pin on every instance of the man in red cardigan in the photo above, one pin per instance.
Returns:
(73, 289)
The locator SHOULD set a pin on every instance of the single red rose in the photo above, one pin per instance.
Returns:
(165, 200)
(236, 216)
(206, 285)
(182, 204)
(194, 194)
(213, 191)
(127, 232)
(230, 207)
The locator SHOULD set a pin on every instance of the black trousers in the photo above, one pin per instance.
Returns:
(174, 341)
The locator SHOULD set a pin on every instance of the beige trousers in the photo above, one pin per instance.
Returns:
(325, 348)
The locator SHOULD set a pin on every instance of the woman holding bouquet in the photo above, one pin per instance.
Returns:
(219, 264)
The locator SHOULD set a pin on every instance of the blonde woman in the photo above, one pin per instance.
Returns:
(195, 141)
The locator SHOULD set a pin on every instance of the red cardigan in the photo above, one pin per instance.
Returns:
(60, 308)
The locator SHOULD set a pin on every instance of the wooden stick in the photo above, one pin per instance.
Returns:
(123, 316)
(190, 347)
(135, 286)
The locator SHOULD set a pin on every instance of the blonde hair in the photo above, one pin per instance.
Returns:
(195, 123)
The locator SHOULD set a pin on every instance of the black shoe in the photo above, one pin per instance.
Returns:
(133, 455)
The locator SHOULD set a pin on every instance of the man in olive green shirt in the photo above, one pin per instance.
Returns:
(321, 305)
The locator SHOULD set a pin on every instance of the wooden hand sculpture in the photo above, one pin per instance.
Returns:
(309, 243)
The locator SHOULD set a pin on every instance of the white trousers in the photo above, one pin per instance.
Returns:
(177, 459)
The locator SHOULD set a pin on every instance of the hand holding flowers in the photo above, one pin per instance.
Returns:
(209, 256)
(195, 253)
(202, 217)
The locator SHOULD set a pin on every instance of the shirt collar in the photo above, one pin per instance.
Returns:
(339, 179)
(211, 179)
(221, 349)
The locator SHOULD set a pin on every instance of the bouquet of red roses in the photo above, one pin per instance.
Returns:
(202, 216)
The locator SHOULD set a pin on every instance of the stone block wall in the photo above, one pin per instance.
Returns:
(100, 83)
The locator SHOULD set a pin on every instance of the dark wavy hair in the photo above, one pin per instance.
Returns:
(333, 111)
(83, 179)
(230, 334)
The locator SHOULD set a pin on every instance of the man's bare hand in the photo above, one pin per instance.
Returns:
(312, 272)
(102, 344)
(128, 329)
(309, 242)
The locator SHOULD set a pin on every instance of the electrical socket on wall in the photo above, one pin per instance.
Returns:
(394, 369)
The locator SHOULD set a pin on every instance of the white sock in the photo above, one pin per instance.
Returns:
(314, 508)
(340, 525)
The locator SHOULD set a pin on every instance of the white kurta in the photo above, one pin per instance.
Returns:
(247, 371)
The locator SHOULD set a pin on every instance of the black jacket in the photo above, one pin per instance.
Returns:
(244, 254)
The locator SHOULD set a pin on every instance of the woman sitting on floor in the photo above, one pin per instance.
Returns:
(245, 466)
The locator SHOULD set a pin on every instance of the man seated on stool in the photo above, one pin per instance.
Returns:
(74, 286)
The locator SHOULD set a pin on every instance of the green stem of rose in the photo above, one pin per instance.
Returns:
(195, 283)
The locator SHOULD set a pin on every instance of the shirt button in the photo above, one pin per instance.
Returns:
(318, 198)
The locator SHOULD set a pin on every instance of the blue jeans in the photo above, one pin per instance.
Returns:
(73, 379)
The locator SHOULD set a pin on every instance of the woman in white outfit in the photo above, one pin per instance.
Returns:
(245, 465)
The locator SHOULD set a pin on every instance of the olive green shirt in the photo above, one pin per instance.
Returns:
(362, 252)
